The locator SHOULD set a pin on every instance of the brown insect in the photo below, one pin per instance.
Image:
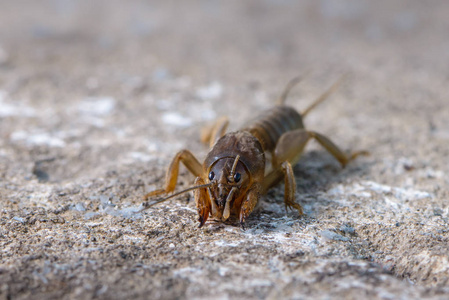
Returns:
(243, 165)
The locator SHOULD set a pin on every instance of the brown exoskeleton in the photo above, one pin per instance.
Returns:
(234, 175)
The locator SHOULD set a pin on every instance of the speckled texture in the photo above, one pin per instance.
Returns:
(95, 99)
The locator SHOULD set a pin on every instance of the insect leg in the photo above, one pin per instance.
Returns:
(290, 188)
(292, 143)
(210, 134)
(249, 203)
(284, 171)
(202, 201)
(334, 150)
(288, 151)
(192, 164)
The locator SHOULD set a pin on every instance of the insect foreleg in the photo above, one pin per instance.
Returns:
(202, 201)
(191, 163)
(249, 203)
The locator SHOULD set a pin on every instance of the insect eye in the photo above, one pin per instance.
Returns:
(211, 175)
(237, 177)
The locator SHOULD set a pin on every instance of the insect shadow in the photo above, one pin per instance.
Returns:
(315, 173)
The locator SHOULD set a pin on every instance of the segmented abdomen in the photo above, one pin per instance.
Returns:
(272, 123)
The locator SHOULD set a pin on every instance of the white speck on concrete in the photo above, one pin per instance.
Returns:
(210, 92)
(409, 194)
(14, 109)
(140, 156)
(100, 106)
(392, 203)
(37, 139)
(222, 271)
(176, 119)
(80, 207)
(378, 188)
(131, 212)
(93, 224)
(152, 146)
(40, 195)
(19, 219)
(184, 272)
(399, 193)
(104, 199)
(431, 173)
(223, 243)
(330, 235)
(355, 190)
(393, 195)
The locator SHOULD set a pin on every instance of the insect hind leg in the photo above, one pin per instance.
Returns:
(291, 145)
(288, 152)
(334, 150)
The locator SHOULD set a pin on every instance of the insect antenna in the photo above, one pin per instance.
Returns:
(291, 84)
(149, 204)
(324, 95)
(234, 166)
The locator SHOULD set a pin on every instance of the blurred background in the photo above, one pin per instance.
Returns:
(123, 74)
(228, 38)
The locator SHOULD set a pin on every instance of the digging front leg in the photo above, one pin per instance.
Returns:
(202, 201)
(249, 203)
(192, 164)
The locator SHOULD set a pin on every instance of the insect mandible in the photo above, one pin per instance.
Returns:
(234, 175)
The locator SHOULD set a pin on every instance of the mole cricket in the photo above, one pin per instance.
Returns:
(234, 175)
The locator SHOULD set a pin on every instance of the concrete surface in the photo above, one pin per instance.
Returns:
(97, 97)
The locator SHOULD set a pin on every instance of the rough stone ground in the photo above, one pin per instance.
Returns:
(96, 98)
